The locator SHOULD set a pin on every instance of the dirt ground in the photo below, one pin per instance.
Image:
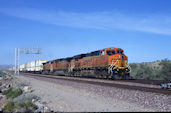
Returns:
(63, 96)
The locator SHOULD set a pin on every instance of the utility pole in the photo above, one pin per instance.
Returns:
(15, 61)
(24, 51)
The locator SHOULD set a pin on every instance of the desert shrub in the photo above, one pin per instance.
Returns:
(9, 107)
(23, 96)
(7, 91)
(12, 92)
(134, 69)
(2, 73)
(165, 72)
(151, 70)
(142, 71)
(25, 106)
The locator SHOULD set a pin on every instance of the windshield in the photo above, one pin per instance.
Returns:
(113, 52)
(120, 52)
(110, 52)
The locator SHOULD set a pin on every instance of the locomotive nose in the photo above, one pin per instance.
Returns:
(122, 61)
(121, 57)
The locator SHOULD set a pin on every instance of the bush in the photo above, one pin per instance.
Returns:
(12, 93)
(25, 106)
(159, 70)
(9, 107)
(2, 73)
(23, 96)
(166, 69)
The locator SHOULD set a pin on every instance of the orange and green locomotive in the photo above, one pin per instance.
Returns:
(105, 63)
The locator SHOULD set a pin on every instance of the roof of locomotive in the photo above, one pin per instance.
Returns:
(93, 53)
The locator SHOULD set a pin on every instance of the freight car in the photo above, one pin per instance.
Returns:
(32, 67)
(105, 63)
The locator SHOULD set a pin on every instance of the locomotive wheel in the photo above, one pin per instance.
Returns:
(76, 74)
(123, 77)
(43, 72)
(114, 76)
(128, 77)
(69, 74)
(118, 77)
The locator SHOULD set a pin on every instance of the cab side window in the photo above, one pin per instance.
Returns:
(113, 52)
(103, 53)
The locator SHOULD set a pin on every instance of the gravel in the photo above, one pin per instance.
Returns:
(23, 96)
(61, 95)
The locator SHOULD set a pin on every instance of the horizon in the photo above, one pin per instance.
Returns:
(66, 28)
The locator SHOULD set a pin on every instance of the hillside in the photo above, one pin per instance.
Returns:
(5, 67)
(158, 70)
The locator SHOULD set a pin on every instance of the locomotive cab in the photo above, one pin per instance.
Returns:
(117, 58)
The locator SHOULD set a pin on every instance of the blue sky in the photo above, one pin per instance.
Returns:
(63, 28)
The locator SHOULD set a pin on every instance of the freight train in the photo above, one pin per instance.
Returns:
(31, 67)
(105, 63)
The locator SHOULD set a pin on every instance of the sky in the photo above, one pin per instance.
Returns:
(64, 28)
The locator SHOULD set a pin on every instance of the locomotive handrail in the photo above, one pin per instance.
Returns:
(70, 68)
(111, 66)
(115, 63)
(129, 67)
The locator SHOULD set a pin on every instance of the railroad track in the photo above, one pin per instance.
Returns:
(147, 86)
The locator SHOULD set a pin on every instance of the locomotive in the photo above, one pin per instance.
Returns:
(105, 63)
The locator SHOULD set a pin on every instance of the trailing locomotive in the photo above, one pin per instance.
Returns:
(105, 63)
